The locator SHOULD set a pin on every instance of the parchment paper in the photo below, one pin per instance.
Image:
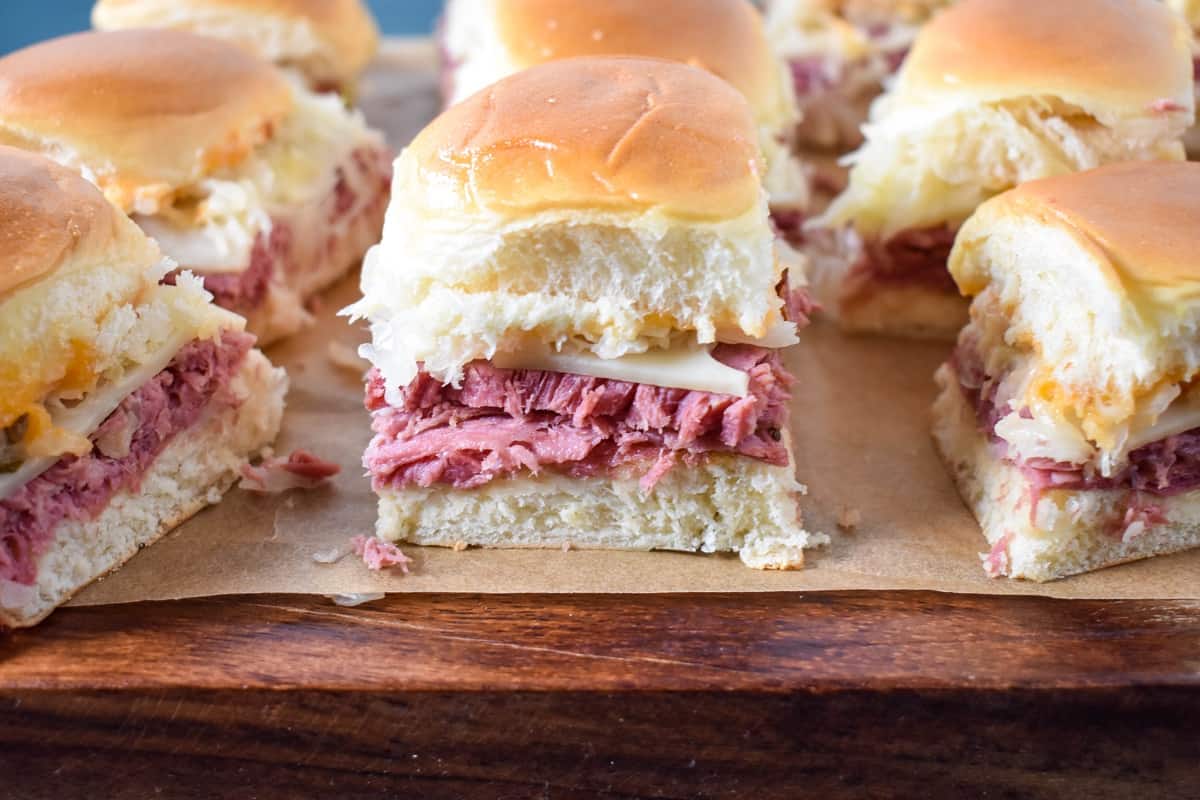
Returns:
(862, 443)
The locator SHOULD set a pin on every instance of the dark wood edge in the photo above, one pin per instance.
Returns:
(1022, 743)
(783, 643)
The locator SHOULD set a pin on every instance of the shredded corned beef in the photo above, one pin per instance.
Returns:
(798, 303)
(245, 291)
(1167, 467)
(910, 258)
(501, 422)
(80, 488)
(789, 224)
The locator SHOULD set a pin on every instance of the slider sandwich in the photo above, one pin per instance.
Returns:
(1190, 11)
(327, 42)
(486, 40)
(994, 93)
(126, 405)
(842, 53)
(1070, 412)
(265, 190)
(575, 323)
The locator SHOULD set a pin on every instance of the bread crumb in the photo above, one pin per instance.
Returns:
(566, 547)
(458, 547)
(849, 518)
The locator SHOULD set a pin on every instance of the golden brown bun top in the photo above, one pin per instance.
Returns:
(1139, 218)
(1122, 54)
(147, 111)
(595, 134)
(725, 37)
(347, 26)
(47, 212)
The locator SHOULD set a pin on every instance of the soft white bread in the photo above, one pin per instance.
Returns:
(194, 471)
(330, 42)
(80, 300)
(486, 40)
(601, 203)
(845, 51)
(999, 92)
(726, 504)
(143, 113)
(1088, 299)
(1070, 532)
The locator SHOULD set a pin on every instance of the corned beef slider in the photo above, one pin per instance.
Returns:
(126, 405)
(841, 54)
(264, 189)
(575, 312)
(486, 40)
(328, 42)
(994, 93)
(1190, 11)
(1070, 413)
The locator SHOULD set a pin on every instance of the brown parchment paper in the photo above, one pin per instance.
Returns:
(861, 418)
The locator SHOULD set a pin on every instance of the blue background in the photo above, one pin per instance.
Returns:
(24, 22)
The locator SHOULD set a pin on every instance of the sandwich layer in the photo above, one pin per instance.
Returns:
(899, 286)
(1044, 532)
(81, 311)
(192, 470)
(123, 447)
(590, 204)
(724, 503)
(1101, 349)
(307, 248)
(140, 112)
(501, 423)
(329, 41)
(840, 54)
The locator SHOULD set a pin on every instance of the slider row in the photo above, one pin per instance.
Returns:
(591, 263)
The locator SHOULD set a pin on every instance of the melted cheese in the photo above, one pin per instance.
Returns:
(84, 418)
(684, 366)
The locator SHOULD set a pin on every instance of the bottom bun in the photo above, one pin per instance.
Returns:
(1070, 531)
(193, 471)
(910, 312)
(727, 504)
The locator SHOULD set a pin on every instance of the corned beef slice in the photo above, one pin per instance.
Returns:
(501, 422)
(910, 258)
(80, 488)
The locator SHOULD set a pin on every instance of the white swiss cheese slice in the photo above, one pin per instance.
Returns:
(85, 417)
(1181, 416)
(683, 367)
(212, 249)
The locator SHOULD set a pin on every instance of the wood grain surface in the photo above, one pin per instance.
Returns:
(762, 696)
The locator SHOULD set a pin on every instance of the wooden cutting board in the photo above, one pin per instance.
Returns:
(847, 694)
(870, 694)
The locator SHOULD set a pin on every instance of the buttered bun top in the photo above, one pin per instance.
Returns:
(330, 41)
(1140, 222)
(144, 112)
(1105, 56)
(51, 217)
(725, 37)
(591, 134)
